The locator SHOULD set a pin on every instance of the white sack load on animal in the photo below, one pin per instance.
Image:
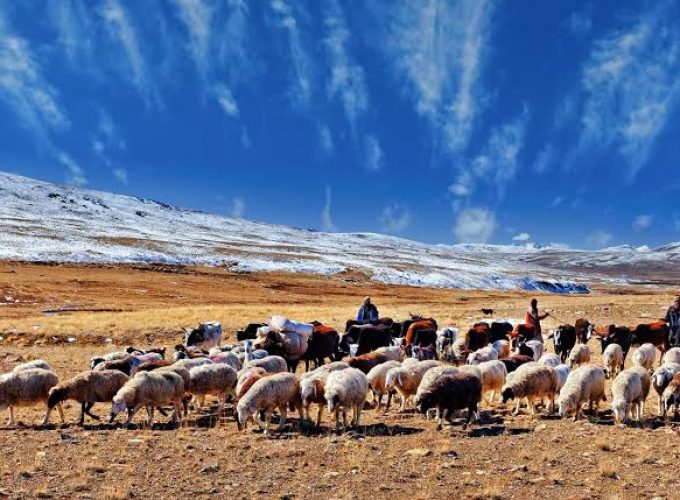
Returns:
(284, 325)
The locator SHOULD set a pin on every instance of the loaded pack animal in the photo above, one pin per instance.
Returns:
(367, 337)
(288, 345)
(381, 321)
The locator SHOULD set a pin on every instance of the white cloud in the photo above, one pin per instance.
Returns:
(581, 23)
(463, 185)
(121, 174)
(346, 76)
(631, 83)
(245, 139)
(226, 101)
(74, 27)
(438, 48)
(544, 160)
(395, 219)
(237, 208)
(76, 174)
(326, 140)
(122, 30)
(197, 18)
(642, 222)
(599, 239)
(326, 219)
(522, 237)
(557, 201)
(475, 225)
(374, 154)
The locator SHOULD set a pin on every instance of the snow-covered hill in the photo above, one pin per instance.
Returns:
(40, 221)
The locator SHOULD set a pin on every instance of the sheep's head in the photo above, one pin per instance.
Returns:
(620, 410)
(243, 415)
(507, 394)
(392, 378)
(56, 395)
(117, 406)
(95, 361)
(308, 391)
(566, 405)
(333, 403)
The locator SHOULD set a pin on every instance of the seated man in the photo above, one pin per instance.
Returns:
(368, 312)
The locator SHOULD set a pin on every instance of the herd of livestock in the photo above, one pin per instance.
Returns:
(435, 369)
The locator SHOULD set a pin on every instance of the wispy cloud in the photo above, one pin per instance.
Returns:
(438, 48)
(74, 27)
(522, 237)
(237, 208)
(197, 18)
(631, 82)
(395, 219)
(544, 159)
(121, 174)
(599, 239)
(581, 22)
(326, 218)
(557, 201)
(642, 222)
(75, 173)
(121, 30)
(326, 140)
(475, 225)
(374, 157)
(226, 101)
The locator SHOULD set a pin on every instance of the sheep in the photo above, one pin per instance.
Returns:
(579, 355)
(458, 351)
(644, 356)
(26, 388)
(111, 356)
(493, 378)
(190, 363)
(502, 347)
(312, 388)
(88, 388)
(393, 353)
(487, 353)
(227, 358)
(612, 360)
(217, 379)
(672, 356)
(32, 365)
(515, 361)
(149, 389)
(405, 380)
(562, 372)
(271, 392)
(661, 377)
(584, 384)
(432, 374)
(249, 354)
(376, 381)
(346, 389)
(646, 379)
(247, 378)
(126, 365)
(150, 366)
(330, 367)
(272, 364)
(549, 359)
(450, 392)
(626, 395)
(531, 382)
(367, 361)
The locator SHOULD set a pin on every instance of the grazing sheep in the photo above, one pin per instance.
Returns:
(111, 356)
(367, 361)
(515, 361)
(432, 374)
(644, 356)
(612, 360)
(275, 391)
(376, 381)
(536, 347)
(247, 378)
(150, 366)
(32, 365)
(271, 364)
(227, 358)
(346, 389)
(190, 363)
(217, 380)
(312, 388)
(450, 392)
(661, 377)
(646, 379)
(26, 388)
(149, 389)
(550, 359)
(459, 351)
(531, 382)
(562, 372)
(672, 356)
(626, 396)
(405, 380)
(584, 384)
(579, 355)
(493, 378)
(88, 388)
(393, 353)
(487, 353)
(502, 347)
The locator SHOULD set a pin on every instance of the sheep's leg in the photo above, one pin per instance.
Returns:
(46, 418)
(344, 418)
(532, 408)
(267, 420)
(150, 410)
(177, 416)
(131, 414)
(88, 408)
(357, 412)
(319, 414)
(10, 420)
(389, 400)
(284, 414)
(337, 420)
(81, 422)
(258, 418)
(517, 406)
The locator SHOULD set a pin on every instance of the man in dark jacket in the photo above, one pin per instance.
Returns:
(368, 313)
(673, 320)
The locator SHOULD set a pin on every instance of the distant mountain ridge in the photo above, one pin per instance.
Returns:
(40, 221)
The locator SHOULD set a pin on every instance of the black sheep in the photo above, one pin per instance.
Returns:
(450, 392)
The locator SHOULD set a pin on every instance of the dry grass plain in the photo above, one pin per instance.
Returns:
(392, 455)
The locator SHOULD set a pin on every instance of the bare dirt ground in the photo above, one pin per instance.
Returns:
(65, 314)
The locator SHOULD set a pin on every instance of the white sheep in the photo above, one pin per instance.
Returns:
(272, 364)
(376, 381)
(550, 359)
(584, 384)
(487, 353)
(250, 354)
(493, 378)
(406, 379)
(149, 389)
(537, 347)
(562, 372)
(26, 388)
(190, 363)
(579, 355)
(32, 365)
(661, 377)
(646, 379)
(272, 392)
(312, 388)
(111, 356)
(346, 389)
(393, 353)
(530, 383)
(216, 379)
(329, 367)
(672, 356)
(227, 358)
(612, 360)
(644, 356)
(502, 347)
(627, 396)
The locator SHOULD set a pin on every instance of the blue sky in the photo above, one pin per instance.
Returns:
(442, 121)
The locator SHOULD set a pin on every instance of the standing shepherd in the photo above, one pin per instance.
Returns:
(673, 320)
(534, 318)
(368, 313)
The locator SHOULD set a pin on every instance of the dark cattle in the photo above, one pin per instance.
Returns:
(322, 344)
(381, 321)
(368, 338)
(620, 335)
(500, 330)
(515, 361)
(367, 361)
(422, 325)
(583, 329)
(477, 337)
(654, 333)
(564, 339)
(249, 332)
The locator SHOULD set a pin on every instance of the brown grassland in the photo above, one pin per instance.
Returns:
(392, 455)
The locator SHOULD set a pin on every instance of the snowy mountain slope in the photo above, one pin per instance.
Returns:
(40, 221)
